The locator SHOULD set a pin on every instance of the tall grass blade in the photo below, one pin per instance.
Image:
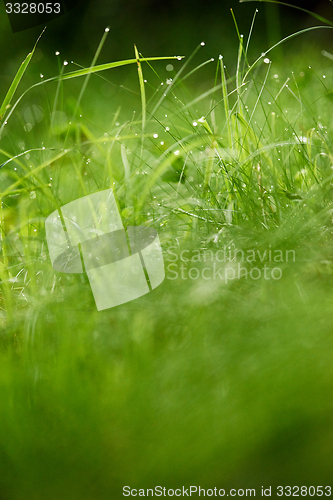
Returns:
(313, 14)
(289, 37)
(86, 81)
(18, 77)
(226, 102)
(84, 72)
(142, 89)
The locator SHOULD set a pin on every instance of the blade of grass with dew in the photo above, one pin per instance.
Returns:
(18, 77)
(313, 14)
(250, 35)
(170, 87)
(86, 81)
(84, 72)
(289, 37)
(226, 103)
(244, 136)
(142, 88)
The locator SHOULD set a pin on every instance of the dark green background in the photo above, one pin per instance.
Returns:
(158, 27)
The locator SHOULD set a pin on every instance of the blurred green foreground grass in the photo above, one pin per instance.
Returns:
(201, 382)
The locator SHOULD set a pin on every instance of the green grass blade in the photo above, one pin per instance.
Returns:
(103, 67)
(313, 14)
(226, 101)
(142, 89)
(86, 71)
(18, 77)
(98, 51)
(289, 37)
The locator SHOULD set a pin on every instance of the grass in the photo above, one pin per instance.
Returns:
(202, 382)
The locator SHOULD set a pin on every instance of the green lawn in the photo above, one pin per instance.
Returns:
(211, 382)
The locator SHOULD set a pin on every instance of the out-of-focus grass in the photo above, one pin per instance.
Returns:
(201, 381)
